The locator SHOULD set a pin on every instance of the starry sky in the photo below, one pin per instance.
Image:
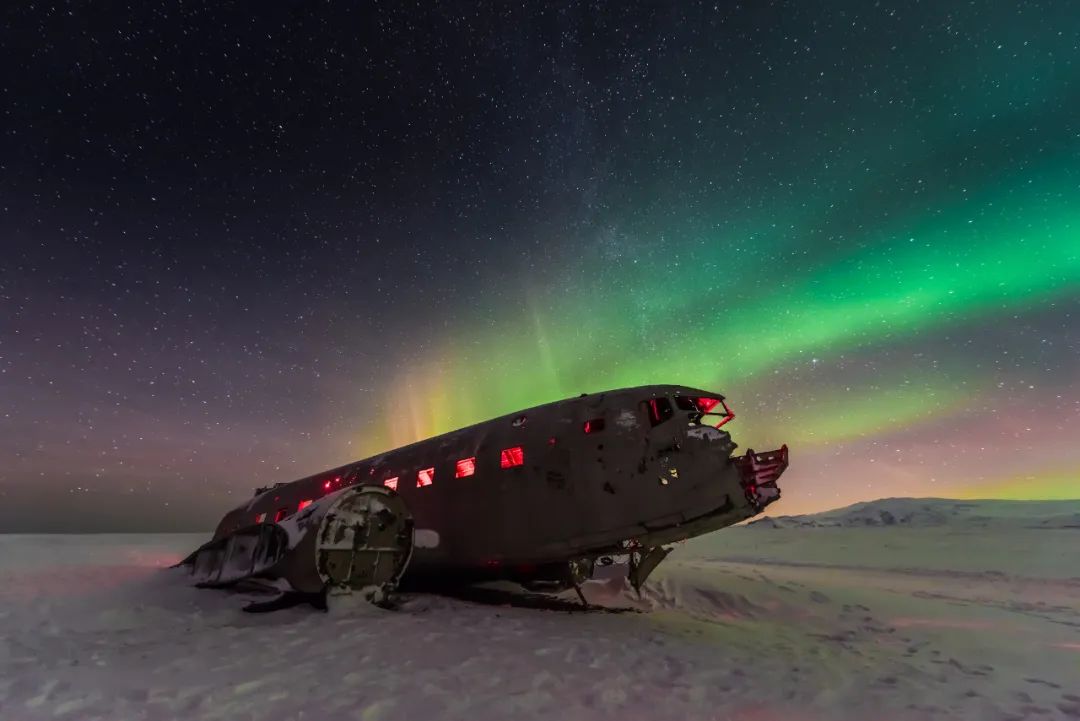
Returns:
(242, 243)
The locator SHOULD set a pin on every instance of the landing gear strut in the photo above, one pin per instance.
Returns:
(579, 571)
(642, 563)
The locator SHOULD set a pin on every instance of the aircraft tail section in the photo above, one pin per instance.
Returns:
(357, 539)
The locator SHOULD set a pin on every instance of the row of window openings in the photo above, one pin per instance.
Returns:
(508, 458)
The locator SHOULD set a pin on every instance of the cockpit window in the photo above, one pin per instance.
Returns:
(715, 411)
(712, 411)
(685, 404)
(658, 410)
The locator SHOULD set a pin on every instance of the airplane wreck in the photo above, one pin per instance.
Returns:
(539, 497)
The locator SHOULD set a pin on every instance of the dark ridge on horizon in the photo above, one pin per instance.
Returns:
(923, 512)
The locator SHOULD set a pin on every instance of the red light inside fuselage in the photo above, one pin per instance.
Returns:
(304, 504)
(391, 483)
(707, 404)
(511, 457)
(425, 477)
(465, 467)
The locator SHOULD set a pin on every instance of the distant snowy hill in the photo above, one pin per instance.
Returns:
(933, 512)
(1016, 538)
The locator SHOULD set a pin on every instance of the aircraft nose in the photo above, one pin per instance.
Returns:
(759, 472)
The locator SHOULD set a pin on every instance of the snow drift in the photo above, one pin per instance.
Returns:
(920, 619)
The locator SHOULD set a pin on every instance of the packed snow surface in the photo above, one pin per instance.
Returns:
(951, 610)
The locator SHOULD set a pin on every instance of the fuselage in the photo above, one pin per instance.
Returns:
(579, 478)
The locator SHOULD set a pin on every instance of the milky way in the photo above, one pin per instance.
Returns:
(242, 245)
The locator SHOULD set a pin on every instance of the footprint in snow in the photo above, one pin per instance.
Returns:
(1041, 682)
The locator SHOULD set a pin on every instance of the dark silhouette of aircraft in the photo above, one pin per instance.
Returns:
(537, 497)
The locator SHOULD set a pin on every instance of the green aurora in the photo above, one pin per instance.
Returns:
(891, 221)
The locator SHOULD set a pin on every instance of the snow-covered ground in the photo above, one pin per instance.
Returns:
(950, 610)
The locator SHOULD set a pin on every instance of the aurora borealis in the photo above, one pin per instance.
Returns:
(242, 248)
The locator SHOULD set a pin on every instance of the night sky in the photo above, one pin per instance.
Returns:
(244, 242)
